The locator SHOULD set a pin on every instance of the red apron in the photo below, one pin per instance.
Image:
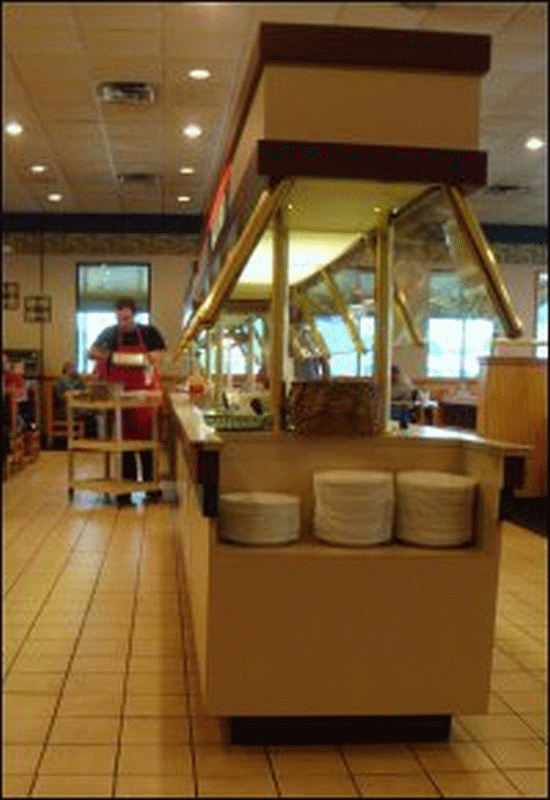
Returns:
(137, 423)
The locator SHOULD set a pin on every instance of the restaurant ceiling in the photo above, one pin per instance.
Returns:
(56, 54)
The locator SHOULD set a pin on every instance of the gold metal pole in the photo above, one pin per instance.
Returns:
(218, 374)
(343, 310)
(383, 310)
(472, 232)
(250, 355)
(318, 337)
(279, 312)
(235, 261)
(207, 354)
(401, 304)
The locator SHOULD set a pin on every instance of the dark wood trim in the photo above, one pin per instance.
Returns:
(385, 163)
(389, 48)
(347, 46)
(102, 223)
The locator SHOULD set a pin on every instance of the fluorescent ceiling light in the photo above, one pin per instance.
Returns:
(55, 197)
(14, 128)
(199, 74)
(186, 170)
(184, 198)
(38, 168)
(192, 131)
(534, 143)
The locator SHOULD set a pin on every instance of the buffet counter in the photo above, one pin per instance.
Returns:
(310, 628)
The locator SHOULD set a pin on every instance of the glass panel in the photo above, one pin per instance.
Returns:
(445, 337)
(445, 289)
(478, 334)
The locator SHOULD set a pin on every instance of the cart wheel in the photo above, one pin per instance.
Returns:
(71, 494)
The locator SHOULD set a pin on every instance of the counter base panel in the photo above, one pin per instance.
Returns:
(340, 730)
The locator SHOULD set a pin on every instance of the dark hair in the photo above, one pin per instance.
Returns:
(125, 302)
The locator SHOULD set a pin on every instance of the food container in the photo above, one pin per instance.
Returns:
(136, 360)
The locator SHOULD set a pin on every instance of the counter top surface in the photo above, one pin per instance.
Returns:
(207, 438)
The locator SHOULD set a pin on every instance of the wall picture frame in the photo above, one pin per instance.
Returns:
(10, 295)
(38, 308)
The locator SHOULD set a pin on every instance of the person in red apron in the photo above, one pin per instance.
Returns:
(128, 336)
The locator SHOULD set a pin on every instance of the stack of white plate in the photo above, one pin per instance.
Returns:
(353, 508)
(434, 508)
(259, 517)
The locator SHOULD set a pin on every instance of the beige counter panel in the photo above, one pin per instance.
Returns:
(317, 632)
(394, 106)
(315, 629)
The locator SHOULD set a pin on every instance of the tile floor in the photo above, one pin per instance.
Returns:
(100, 692)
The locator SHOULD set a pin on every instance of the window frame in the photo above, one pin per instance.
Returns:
(110, 265)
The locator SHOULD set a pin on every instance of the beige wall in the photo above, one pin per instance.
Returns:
(57, 338)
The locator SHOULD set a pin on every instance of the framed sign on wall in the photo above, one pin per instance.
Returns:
(38, 308)
(10, 296)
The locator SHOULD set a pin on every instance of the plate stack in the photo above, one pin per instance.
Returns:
(259, 518)
(434, 509)
(353, 508)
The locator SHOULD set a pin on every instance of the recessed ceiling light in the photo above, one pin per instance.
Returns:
(534, 143)
(377, 209)
(184, 198)
(192, 131)
(199, 74)
(37, 168)
(186, 170)
(55, 197)
(290, 206)
(14, 128)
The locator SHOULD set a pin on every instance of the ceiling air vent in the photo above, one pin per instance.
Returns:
(129, 92)
(133, 178)
(506, 190)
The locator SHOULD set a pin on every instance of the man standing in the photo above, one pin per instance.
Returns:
(128, 336)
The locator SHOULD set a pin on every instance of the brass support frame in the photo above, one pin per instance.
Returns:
(218, 373)
(399, 296)
(279, 316)
(307, 309)
(383, 315)
(403, 307)
(235, 261)
(473, 235)
(343, 310)
(250, 355)
(207, 354)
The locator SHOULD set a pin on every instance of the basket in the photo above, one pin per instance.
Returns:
(341, 407)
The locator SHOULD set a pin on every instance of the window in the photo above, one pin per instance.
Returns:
(541, 313)
(98, 287)
(459, 327)
(344, 359)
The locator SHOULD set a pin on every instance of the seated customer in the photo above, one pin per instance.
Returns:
(71, 381)
(403, 395)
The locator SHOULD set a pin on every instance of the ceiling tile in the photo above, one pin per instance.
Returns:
(119, 16)
(121, 44)
(379, 15)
